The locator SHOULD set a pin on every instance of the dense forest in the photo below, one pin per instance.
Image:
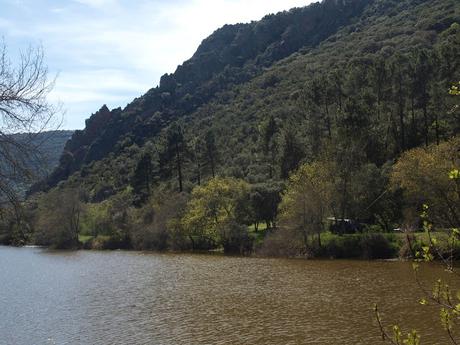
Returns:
(313, 132)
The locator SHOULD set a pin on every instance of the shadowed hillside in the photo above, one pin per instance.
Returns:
(231, 56)
(309, 121)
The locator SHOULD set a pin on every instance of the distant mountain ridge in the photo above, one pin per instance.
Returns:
(50, 144)
(47, 147)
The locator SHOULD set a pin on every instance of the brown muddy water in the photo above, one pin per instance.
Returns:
(89, 297)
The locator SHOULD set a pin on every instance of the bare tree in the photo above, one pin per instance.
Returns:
(24, 108)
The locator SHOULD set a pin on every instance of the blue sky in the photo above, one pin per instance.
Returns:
(111, 51)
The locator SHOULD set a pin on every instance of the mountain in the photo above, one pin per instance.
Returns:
(46, 147)
(49, 144)
(374, 70)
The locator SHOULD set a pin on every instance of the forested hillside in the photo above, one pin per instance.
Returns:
(339, 89)
(49, 144)
(232, 55)
(46, 147)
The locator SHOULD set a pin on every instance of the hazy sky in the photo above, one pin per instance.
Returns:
(111, 51)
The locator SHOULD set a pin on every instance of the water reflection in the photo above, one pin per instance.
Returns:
(138, 298)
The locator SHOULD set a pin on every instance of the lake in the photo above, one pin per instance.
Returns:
(90, 297)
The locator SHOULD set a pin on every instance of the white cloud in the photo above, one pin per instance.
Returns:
(4, 23)
(58, 10)
(97, 3)
(81, 86)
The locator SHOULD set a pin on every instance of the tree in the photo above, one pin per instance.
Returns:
(142, 179)
(455, 90)
(423, 175)
(270, 144)
(173, 155)
(212, 153)
(307, 200)
(372, 202)
(351, 149)
(59, 217)
(110, 222)
(16, 224)
(315, 105)
(197, 147)
(24, 88)
(441, 295)
(265, 199)
(157, 223)
(214, 210)
(423, 70)
(292, 152)
(398, 75)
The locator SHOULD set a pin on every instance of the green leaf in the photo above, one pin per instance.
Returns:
(423, 301)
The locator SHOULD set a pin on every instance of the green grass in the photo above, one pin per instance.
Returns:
(258, 235)
(391, 236)
(262, 227)
(423, 236)
(328, 236)
(86, 238)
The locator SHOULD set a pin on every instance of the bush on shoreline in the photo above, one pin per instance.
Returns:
(368, 246)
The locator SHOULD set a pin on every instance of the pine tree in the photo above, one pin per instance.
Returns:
(172, 157)
(142, 179)
(270, 144)
(292, 152)
(212, 153)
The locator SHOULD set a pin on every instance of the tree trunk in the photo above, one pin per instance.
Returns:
(179, 168)
(413, 123)
(425, 120)
(319, 238)
(436, 126)
(213, 168)
(401, 113)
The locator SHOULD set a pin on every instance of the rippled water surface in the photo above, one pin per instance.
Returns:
(135, 298)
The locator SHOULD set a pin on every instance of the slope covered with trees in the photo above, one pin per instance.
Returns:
(339, 89)
(232, 55)
(47, 147)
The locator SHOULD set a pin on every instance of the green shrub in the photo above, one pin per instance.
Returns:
(376, 246)
(281, 243)
(410, 246)
(364, 246)
(108, 243)
(237, 239)
(341, 247)
(150, 237)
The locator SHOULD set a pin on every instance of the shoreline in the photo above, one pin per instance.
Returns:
(218, 253)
